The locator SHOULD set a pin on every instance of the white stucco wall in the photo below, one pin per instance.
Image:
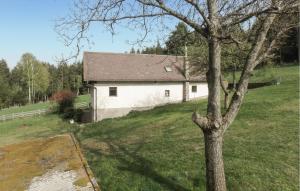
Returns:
(202, 90)
(134, 95)
(137, 96)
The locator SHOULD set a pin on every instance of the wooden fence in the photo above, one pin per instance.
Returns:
(35, 112)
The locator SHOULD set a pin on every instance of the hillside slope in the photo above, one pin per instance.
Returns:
(162, 149)
(41, 105)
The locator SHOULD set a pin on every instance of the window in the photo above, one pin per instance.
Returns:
(194, 89)
(167, 93)
(168, 68)
(112, 91)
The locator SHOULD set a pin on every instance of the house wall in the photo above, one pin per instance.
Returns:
(136, 96)
(202, 90)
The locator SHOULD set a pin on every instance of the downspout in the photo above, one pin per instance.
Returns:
(95, 101)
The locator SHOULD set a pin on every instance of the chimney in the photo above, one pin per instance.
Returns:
(186, 64)
(186, 83)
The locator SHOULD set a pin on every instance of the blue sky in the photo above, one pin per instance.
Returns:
(28, 26)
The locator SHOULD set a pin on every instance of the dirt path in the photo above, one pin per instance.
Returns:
(57, 181)
(51, 164)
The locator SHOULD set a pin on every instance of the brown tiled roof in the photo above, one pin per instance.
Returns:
(112, 67)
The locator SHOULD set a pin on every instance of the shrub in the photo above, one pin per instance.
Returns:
(65, 102)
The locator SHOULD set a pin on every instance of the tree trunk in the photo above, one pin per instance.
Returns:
(233, 77)
(215, 176)
(29, 94)
(213, 135)
(213, 80)
(225, 100)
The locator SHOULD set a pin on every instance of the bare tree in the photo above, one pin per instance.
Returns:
(214, 20)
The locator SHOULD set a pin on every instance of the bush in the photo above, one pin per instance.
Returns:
(65, 102)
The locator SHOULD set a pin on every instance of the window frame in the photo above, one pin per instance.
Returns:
(167, 93)
(194, 89)
(112, 89)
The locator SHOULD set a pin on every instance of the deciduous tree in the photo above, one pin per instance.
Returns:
(5, 91)
(215, 21)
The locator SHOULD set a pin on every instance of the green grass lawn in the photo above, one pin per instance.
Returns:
(17, 130)
(36, 106)
(162, 149)
(265, 74)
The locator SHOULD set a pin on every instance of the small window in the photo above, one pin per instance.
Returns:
(112, 91)
(167, 93)
(194, 89)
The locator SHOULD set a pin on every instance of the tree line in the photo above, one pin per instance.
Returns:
(32, 81)
(233, 55)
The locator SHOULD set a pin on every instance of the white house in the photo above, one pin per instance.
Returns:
(120, 83)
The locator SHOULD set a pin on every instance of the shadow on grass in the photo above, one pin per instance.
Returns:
(111, 133)
(167, 109)
(131, 161)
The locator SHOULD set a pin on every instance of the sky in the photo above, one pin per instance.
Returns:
(28, 26)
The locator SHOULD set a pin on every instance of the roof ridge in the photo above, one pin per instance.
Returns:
(119, 53)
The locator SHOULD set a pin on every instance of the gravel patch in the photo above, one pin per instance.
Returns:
(57, 181)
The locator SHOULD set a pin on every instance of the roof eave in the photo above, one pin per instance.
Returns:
(140, 81)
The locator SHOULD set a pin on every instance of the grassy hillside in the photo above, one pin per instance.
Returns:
(162, 149)
(36, 106)
(18, 130)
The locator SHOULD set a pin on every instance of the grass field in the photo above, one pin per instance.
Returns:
(162, 149)
(265, 74)
(36, 106)
(17, 130)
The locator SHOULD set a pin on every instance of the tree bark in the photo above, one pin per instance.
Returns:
(213, 80)
(233, 77)
(215, 176)
(224, 85)
(28, 83)
(225, 100)
(213, 132)
(29, 92)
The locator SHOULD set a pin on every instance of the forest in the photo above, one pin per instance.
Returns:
(286, 52)
(32, 80)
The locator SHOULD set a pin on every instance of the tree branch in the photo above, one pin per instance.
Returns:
(179, 16)
(200, 10)
(272, 45)
(223, 85)
(202, 122)
(240, 8)
(248, 68)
